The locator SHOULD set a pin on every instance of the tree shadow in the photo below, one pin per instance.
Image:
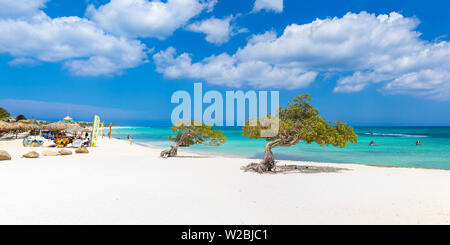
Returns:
(192, 157)
(9, 138)
(286, 157)
(292, 169)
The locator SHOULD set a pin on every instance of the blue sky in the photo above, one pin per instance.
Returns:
(364, 62)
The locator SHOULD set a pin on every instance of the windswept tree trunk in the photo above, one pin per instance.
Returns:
(268, 164)
(172, 152)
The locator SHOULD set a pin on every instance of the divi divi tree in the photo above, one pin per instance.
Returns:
(299, 121)
(187, 134)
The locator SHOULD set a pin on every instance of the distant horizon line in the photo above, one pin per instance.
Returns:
(168, 123)
(357, 126)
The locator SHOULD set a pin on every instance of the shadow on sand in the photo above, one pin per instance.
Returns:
(291, 169)
(192, 157)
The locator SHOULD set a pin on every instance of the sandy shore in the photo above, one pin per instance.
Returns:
(119, 183)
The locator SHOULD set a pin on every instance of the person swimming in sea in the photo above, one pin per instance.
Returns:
(418, 142)
(372, 143)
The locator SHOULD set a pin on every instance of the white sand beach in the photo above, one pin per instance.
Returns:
(119, 183)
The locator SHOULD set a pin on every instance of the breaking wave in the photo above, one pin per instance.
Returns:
(398, 135)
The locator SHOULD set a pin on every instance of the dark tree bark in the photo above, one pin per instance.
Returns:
(172, 152)
(268, 163)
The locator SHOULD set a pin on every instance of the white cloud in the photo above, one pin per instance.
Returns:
(218, 31)
(79, 43)
(432, 84)
(143, 18)
(353, 42)
(20, 8)
(376, 49)
(268, 5)
(228, 71)
(21, 61)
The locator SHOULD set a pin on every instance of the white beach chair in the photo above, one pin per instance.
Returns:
(26, 142)
(77, 143)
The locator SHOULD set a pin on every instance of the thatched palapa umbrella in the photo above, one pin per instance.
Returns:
(57, 126)
(74, 128)
(86, 130)
(35, 127)
(4, 126)
(18, 127)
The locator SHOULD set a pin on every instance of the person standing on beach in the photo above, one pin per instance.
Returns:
(131, 139)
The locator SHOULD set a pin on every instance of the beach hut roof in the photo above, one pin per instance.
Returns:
(18, 126)
(57, 126)
(4, 126)
(73, 128)
(34, 126)
(74, 125)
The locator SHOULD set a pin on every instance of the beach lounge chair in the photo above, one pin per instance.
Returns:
(26, 142)
(39, 142)
(77, 143)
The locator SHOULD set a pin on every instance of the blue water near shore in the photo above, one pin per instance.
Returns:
(395, 146)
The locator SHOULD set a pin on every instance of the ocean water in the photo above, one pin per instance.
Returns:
(395, 146)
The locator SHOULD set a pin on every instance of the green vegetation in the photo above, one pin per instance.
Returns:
(20, 117)
(3, 113)
(85, 124)
(299, 121)
(186, 134)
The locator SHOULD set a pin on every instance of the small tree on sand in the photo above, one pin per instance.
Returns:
(186, 134)
(299, 121)
(20, 117)
(3, 113)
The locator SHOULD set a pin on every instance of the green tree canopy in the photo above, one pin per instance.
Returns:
(299, 121)
(185, 133)
(3, 113)
(20, 117)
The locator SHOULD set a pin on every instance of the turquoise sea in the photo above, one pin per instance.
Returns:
(395, 146)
